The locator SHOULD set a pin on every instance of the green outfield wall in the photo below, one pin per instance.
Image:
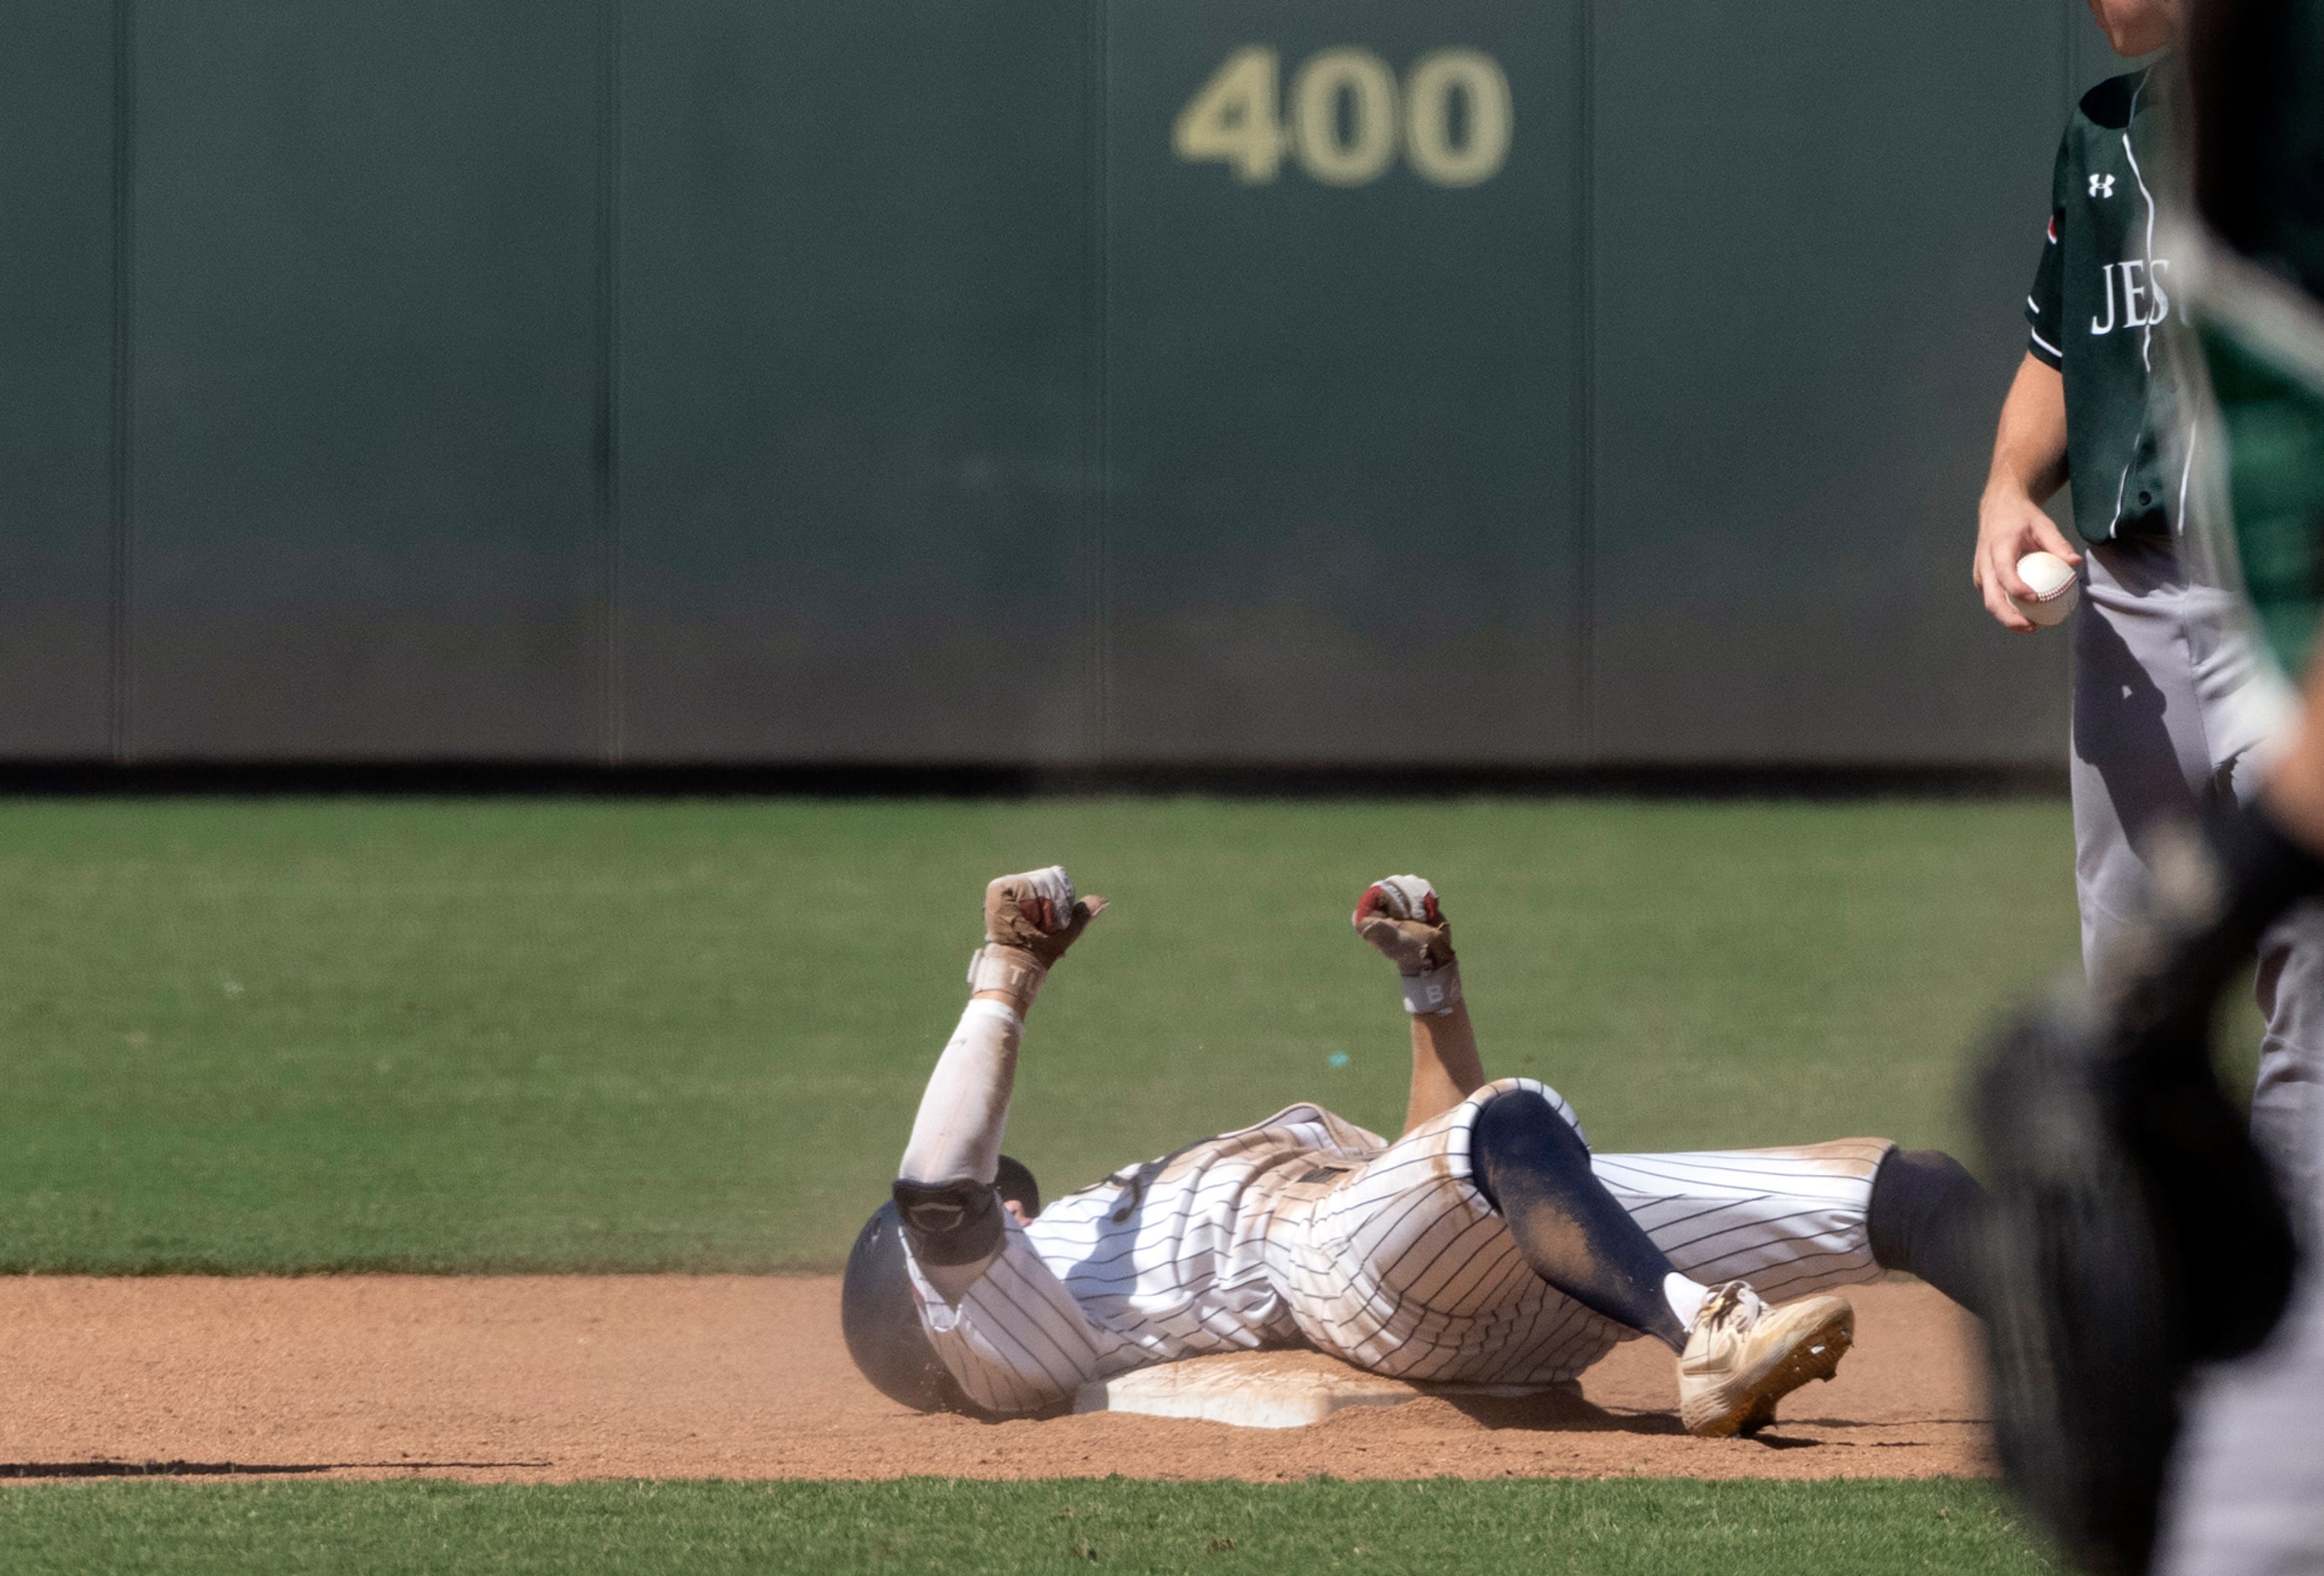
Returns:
(1019, 381)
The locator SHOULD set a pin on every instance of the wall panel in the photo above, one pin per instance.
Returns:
(365, 395)
(711, 381)
(1341, 505)
(1808, 284)
(56, 378)
(857, 348)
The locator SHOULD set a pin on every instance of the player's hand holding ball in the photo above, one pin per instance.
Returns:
(1029, 921)
(1399, 914)
(1036, 913)
(2055, 588)
(1401, 917)
(2023, 568)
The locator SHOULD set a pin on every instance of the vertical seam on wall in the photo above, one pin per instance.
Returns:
(2068, 56)
(1585, 378)
(1098, 433)
(119, 472)
(606, 503)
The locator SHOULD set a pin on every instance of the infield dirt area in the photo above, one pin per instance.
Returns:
(567, 1376)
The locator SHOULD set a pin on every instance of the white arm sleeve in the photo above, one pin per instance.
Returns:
(965, 1109)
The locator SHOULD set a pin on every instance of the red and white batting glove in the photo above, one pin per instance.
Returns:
(1400, 916)
(1029, 921)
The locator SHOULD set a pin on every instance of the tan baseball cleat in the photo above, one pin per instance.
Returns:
(1742, 1356)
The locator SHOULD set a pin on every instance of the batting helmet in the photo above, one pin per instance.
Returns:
(882, 1322)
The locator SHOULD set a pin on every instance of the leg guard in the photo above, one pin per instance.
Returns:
(1534, 1169)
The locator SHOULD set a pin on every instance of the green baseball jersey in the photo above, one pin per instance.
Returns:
(2271, 413)
(2098, 297)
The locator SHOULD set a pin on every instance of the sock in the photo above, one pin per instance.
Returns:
(965, 1109)
(1535, 1170)
(1684, 1297)
(1924, 1218)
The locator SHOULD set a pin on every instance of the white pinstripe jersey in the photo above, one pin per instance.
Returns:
(1306, 1229)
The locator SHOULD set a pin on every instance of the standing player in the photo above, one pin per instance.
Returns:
(2155, 1325)
(2172, 706)
(1485, 1245)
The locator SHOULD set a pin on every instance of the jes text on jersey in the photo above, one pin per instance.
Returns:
(2098, 299)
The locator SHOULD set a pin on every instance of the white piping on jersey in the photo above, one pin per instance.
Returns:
(2179, 521)
(2146, 330)
(2035, 304)
(2036, 335)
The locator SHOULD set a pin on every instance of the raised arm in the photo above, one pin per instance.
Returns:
(945, 1183)
(1401, 916)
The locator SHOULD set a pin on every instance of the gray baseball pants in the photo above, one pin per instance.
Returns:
(2173, 707)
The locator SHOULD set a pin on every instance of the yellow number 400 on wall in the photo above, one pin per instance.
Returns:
(1234, 120)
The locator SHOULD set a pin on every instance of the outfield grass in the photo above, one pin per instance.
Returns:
(1869, 1528)
(497, 1036)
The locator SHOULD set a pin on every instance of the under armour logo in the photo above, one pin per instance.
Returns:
(2101, 186)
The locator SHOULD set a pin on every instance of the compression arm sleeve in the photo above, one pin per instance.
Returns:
(956, 1136)
(952, 1220)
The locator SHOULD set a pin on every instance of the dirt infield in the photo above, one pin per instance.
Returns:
(561, 1378)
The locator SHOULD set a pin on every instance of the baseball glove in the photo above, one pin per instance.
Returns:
(2078, 1336)
(2134, 1229)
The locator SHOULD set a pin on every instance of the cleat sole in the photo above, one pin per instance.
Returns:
(1815, 1356)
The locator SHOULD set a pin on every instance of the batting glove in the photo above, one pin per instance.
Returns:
(1029, 921)
(1400, 916)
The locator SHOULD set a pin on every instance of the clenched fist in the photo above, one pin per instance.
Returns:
(1400, 916)
(1038, 913)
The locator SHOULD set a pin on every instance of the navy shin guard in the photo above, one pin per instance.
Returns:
(1535, 1170)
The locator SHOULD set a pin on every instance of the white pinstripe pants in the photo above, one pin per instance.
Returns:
(1399, 1265)
(1405, 1270)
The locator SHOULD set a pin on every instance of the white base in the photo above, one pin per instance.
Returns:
(1265, 1389)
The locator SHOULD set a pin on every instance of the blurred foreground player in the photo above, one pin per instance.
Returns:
(2173, 704)
(1485, 1245)
(2142, 1263)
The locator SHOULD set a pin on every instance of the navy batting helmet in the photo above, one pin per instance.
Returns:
(882, 1324)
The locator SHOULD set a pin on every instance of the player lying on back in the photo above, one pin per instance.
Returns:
(1486, 1245)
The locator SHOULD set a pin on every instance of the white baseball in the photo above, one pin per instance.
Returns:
(2055, 588)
